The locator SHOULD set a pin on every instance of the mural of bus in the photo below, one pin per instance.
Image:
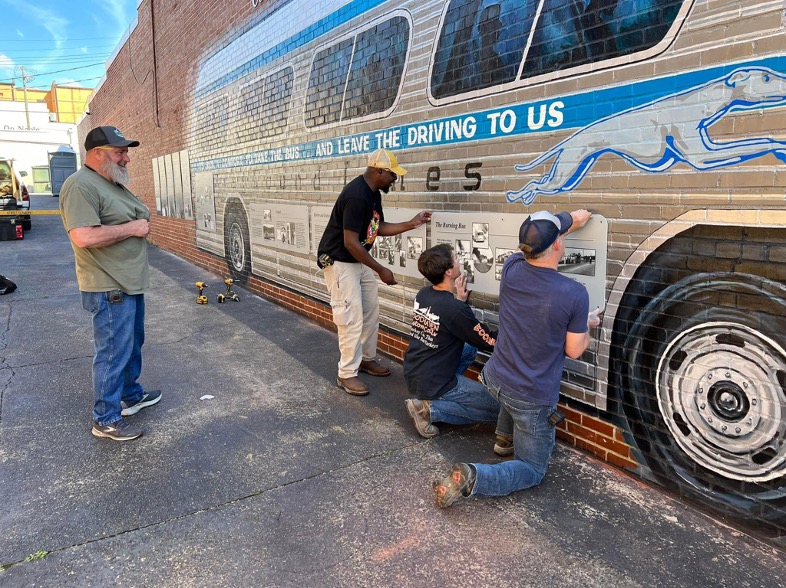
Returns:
(665, 118)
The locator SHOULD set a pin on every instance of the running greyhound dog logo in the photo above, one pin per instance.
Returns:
(676, 129)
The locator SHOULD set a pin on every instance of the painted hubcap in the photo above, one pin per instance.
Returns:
(720, 390)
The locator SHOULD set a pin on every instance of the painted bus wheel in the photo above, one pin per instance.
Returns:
(237, 243)
(705, 387)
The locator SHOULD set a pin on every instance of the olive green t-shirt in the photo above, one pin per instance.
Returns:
(87, 199)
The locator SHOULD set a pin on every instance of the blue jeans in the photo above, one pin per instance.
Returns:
(468, 401)
(533, 443)
(118, 335)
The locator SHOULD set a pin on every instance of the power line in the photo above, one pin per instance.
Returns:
(50, 40)
(59, 61)
(85, 80)
(49, 73)
(47, 63)
(65, 50)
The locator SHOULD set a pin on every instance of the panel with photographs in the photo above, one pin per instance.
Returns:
(400, 253)
(280, 226)
(483, 242)
(204, 203)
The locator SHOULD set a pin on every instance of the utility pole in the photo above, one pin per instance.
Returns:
(26, 78)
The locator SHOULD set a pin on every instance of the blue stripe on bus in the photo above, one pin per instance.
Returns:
(578, 110)
(316, 30)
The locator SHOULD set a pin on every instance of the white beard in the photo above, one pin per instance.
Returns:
(118, 173)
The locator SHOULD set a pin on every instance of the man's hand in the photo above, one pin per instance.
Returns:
(387, 276)
(593, 319)
(580, 218)
(139, 227)
(461, 288)
(421, 218)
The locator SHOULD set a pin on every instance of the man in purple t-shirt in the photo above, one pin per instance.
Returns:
(543, 316)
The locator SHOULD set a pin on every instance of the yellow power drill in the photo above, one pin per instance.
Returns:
(201, 298)
(229, 294)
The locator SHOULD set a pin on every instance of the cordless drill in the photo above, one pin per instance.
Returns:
(229, 294)
(201, 298)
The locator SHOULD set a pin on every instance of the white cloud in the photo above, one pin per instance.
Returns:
(121, 13)
(6, 64)
(20, 34)
(55, 24)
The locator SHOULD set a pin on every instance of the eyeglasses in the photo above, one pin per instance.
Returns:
(119, 151)
(391, 172)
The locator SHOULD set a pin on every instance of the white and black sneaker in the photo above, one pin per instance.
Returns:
(148, 399)
(118, 431)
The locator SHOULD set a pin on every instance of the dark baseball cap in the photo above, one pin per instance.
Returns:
(107, 137)
(542, 228)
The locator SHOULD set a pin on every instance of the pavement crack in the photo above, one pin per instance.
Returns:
(3, 360)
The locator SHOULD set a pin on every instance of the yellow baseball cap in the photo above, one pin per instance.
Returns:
(384, 159)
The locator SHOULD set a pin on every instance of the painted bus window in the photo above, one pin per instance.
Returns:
(326, 84)
(483, 42)
(377, 67)
(266, 103)
(213, 118)
(571, 33)
(358, 76)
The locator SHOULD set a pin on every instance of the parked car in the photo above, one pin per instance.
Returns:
(12, 188)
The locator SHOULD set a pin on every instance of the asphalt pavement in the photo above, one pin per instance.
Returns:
(282, 479)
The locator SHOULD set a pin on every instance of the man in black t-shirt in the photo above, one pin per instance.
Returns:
(351, 272)
(443, 342)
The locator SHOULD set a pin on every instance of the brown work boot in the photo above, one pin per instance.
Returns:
(503, 445)
(371, 366)
(421, 416)
(352, 386)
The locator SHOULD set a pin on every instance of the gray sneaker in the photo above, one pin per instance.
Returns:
(503, 445)
(148, 399)
(118, 431)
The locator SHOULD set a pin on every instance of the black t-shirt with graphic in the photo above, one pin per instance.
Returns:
(359, 209)
(440, 327)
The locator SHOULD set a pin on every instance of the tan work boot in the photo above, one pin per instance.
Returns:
(456, 485)
(421, 416)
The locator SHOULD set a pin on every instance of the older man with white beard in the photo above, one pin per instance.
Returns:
(107, 226)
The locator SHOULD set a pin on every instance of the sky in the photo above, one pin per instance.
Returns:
(66, 41)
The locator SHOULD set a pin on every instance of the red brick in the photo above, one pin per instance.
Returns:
(615, 446)
(620, 461)
(571, 414)
(591, 448)
(597, 425)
